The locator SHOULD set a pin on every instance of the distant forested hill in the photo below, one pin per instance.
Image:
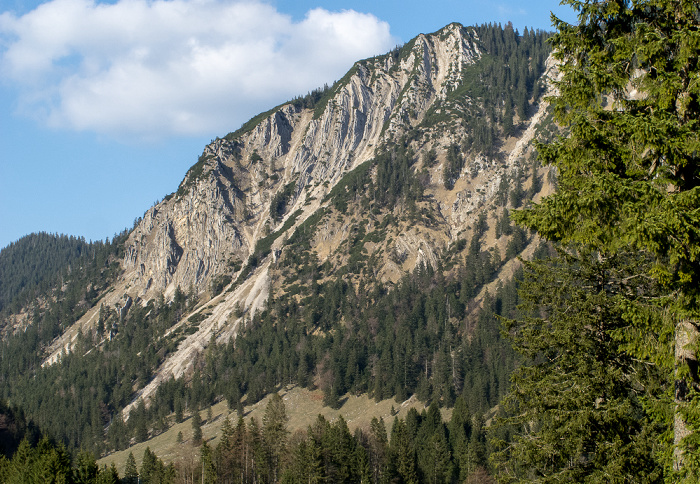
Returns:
(39, 263)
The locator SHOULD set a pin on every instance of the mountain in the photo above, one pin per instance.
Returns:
(389, 189)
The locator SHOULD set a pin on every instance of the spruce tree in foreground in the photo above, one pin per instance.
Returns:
(629, 180)
(578, 406)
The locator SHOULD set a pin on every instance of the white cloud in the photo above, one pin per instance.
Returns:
(158, 68)
(509, 10)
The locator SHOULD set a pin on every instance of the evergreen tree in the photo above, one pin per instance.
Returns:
(257, 452)
(629, 177)
(339, 449)
(275, 432)
(131, 473)
(403, 453)
(108, 475)
(360, 464)
(576, 407)
(149, 467)
(229, 453)
(85, 469)
(476, 452)
(439, 458)
(140, 422)
(179, 417)
(460, 430)
(207, 462)
(196, 427)
(227, 434)
(379, 450)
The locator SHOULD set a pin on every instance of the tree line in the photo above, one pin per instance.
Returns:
(422, 447)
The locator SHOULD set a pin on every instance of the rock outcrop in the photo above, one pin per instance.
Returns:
(223, 206)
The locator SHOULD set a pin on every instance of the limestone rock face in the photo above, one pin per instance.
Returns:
(222, 208)
(188, 239)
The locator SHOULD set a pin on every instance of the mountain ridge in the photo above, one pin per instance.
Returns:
(411, 161)
(186, 240)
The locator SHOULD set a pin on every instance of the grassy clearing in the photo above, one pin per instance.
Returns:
(303, 407)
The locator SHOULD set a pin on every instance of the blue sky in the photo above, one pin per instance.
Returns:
(105, 105)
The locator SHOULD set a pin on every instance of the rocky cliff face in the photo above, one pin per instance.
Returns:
(186, 240)
(223, 206)
(231, 217)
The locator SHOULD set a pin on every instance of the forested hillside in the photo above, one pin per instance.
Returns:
(385, 269)
(39, 263)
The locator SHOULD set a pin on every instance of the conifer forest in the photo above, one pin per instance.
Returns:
(553, 339)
